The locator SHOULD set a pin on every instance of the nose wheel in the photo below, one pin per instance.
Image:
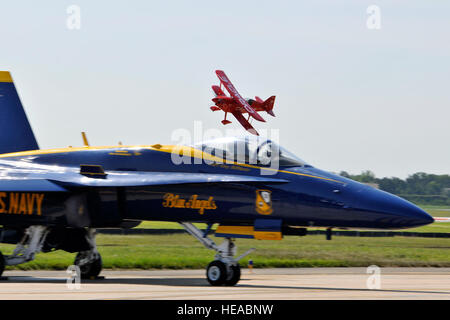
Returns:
(218, 274)
(234, 275)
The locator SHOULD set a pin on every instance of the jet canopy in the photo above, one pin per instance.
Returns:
(250, 150)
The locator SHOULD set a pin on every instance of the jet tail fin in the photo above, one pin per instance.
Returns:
(15, 130)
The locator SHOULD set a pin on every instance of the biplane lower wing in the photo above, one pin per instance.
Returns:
(244, 122)
(222, 99)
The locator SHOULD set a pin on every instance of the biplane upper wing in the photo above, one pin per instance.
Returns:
(233, 92)
(218, 91)
(239, 117)
(220, 95)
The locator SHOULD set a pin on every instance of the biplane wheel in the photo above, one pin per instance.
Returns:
(216, 273)
(91, 269)
(234, 276)
(2, 264)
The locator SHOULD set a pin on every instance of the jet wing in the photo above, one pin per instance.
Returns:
(130, 179)
(238, 98)
(239, 117)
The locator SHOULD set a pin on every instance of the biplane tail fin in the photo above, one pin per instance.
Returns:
(268, 104)
(15, 130)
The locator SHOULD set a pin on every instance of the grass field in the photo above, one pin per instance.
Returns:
(178, 251)
(182, 251)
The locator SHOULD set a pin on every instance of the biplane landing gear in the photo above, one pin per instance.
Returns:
(225, 121)
(225, 269)
(90, 261)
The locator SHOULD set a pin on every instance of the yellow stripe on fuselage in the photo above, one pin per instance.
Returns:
(268, 235)
(240, 230)
(195, 153)
(64, 150)
(181, 150)
(5, 76)
(249, 231)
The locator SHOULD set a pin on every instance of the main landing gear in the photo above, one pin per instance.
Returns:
(34, 241)
(90, 261)
(26, 249)
(224, 270)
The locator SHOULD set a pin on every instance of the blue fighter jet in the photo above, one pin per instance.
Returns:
(247, 187)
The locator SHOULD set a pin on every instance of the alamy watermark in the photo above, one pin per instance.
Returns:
(73, 281)
(373, 21)
(374, 280)
(73, 20)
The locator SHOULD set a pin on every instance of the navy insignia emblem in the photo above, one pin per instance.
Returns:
(264, 202)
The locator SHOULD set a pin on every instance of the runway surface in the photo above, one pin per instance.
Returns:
(306, 283)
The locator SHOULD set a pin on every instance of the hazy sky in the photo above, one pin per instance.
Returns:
(348, 97)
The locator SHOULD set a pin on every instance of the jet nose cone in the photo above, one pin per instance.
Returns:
(392, 211)
(413, 215)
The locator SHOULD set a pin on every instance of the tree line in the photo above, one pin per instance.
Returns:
(420, 187)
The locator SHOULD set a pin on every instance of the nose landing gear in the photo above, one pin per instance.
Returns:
(225, 269)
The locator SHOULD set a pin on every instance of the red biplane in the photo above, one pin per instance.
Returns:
(237, 106)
